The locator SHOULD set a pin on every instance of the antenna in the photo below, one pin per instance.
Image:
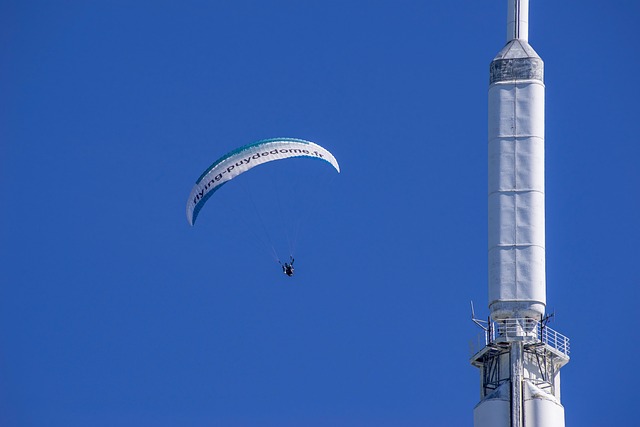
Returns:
(518, 20)
(484, 324)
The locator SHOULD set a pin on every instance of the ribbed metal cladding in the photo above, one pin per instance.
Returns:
(502, 70)
(516, 233)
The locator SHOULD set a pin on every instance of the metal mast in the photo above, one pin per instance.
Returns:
(520, 357)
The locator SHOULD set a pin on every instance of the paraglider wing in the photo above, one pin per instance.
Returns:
(244, 158)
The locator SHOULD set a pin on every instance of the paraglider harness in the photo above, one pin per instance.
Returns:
(287, 267)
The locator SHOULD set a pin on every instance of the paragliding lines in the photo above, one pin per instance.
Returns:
(265, 230)
(245, 158)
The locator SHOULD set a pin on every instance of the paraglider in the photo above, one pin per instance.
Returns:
(287, 267)
(247, 157)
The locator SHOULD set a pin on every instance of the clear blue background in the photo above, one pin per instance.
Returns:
(115, 312)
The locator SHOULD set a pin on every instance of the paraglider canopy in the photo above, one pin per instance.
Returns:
(244, 158)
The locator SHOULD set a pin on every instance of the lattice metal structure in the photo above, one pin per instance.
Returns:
(545, 351)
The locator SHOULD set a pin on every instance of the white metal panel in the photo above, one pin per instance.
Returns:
(492, 413)
(529, 153)
(541, 409)
(516, 109)
(516, 219)
(529, 108)
(517, 280)
(501, 110)
(518, 163)
(529, 218)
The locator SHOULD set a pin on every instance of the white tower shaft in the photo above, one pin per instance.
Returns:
(520, 363)
(516, 183)
(516, 175)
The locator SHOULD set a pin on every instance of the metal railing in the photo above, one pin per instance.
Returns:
(555, 340)
(525, 329)
(522, 329)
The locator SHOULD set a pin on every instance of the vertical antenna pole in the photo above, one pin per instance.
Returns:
(517, 374)
(518, 20)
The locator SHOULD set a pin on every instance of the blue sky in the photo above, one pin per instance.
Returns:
(114, 311)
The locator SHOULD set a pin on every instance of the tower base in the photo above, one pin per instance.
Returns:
(520, 375)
